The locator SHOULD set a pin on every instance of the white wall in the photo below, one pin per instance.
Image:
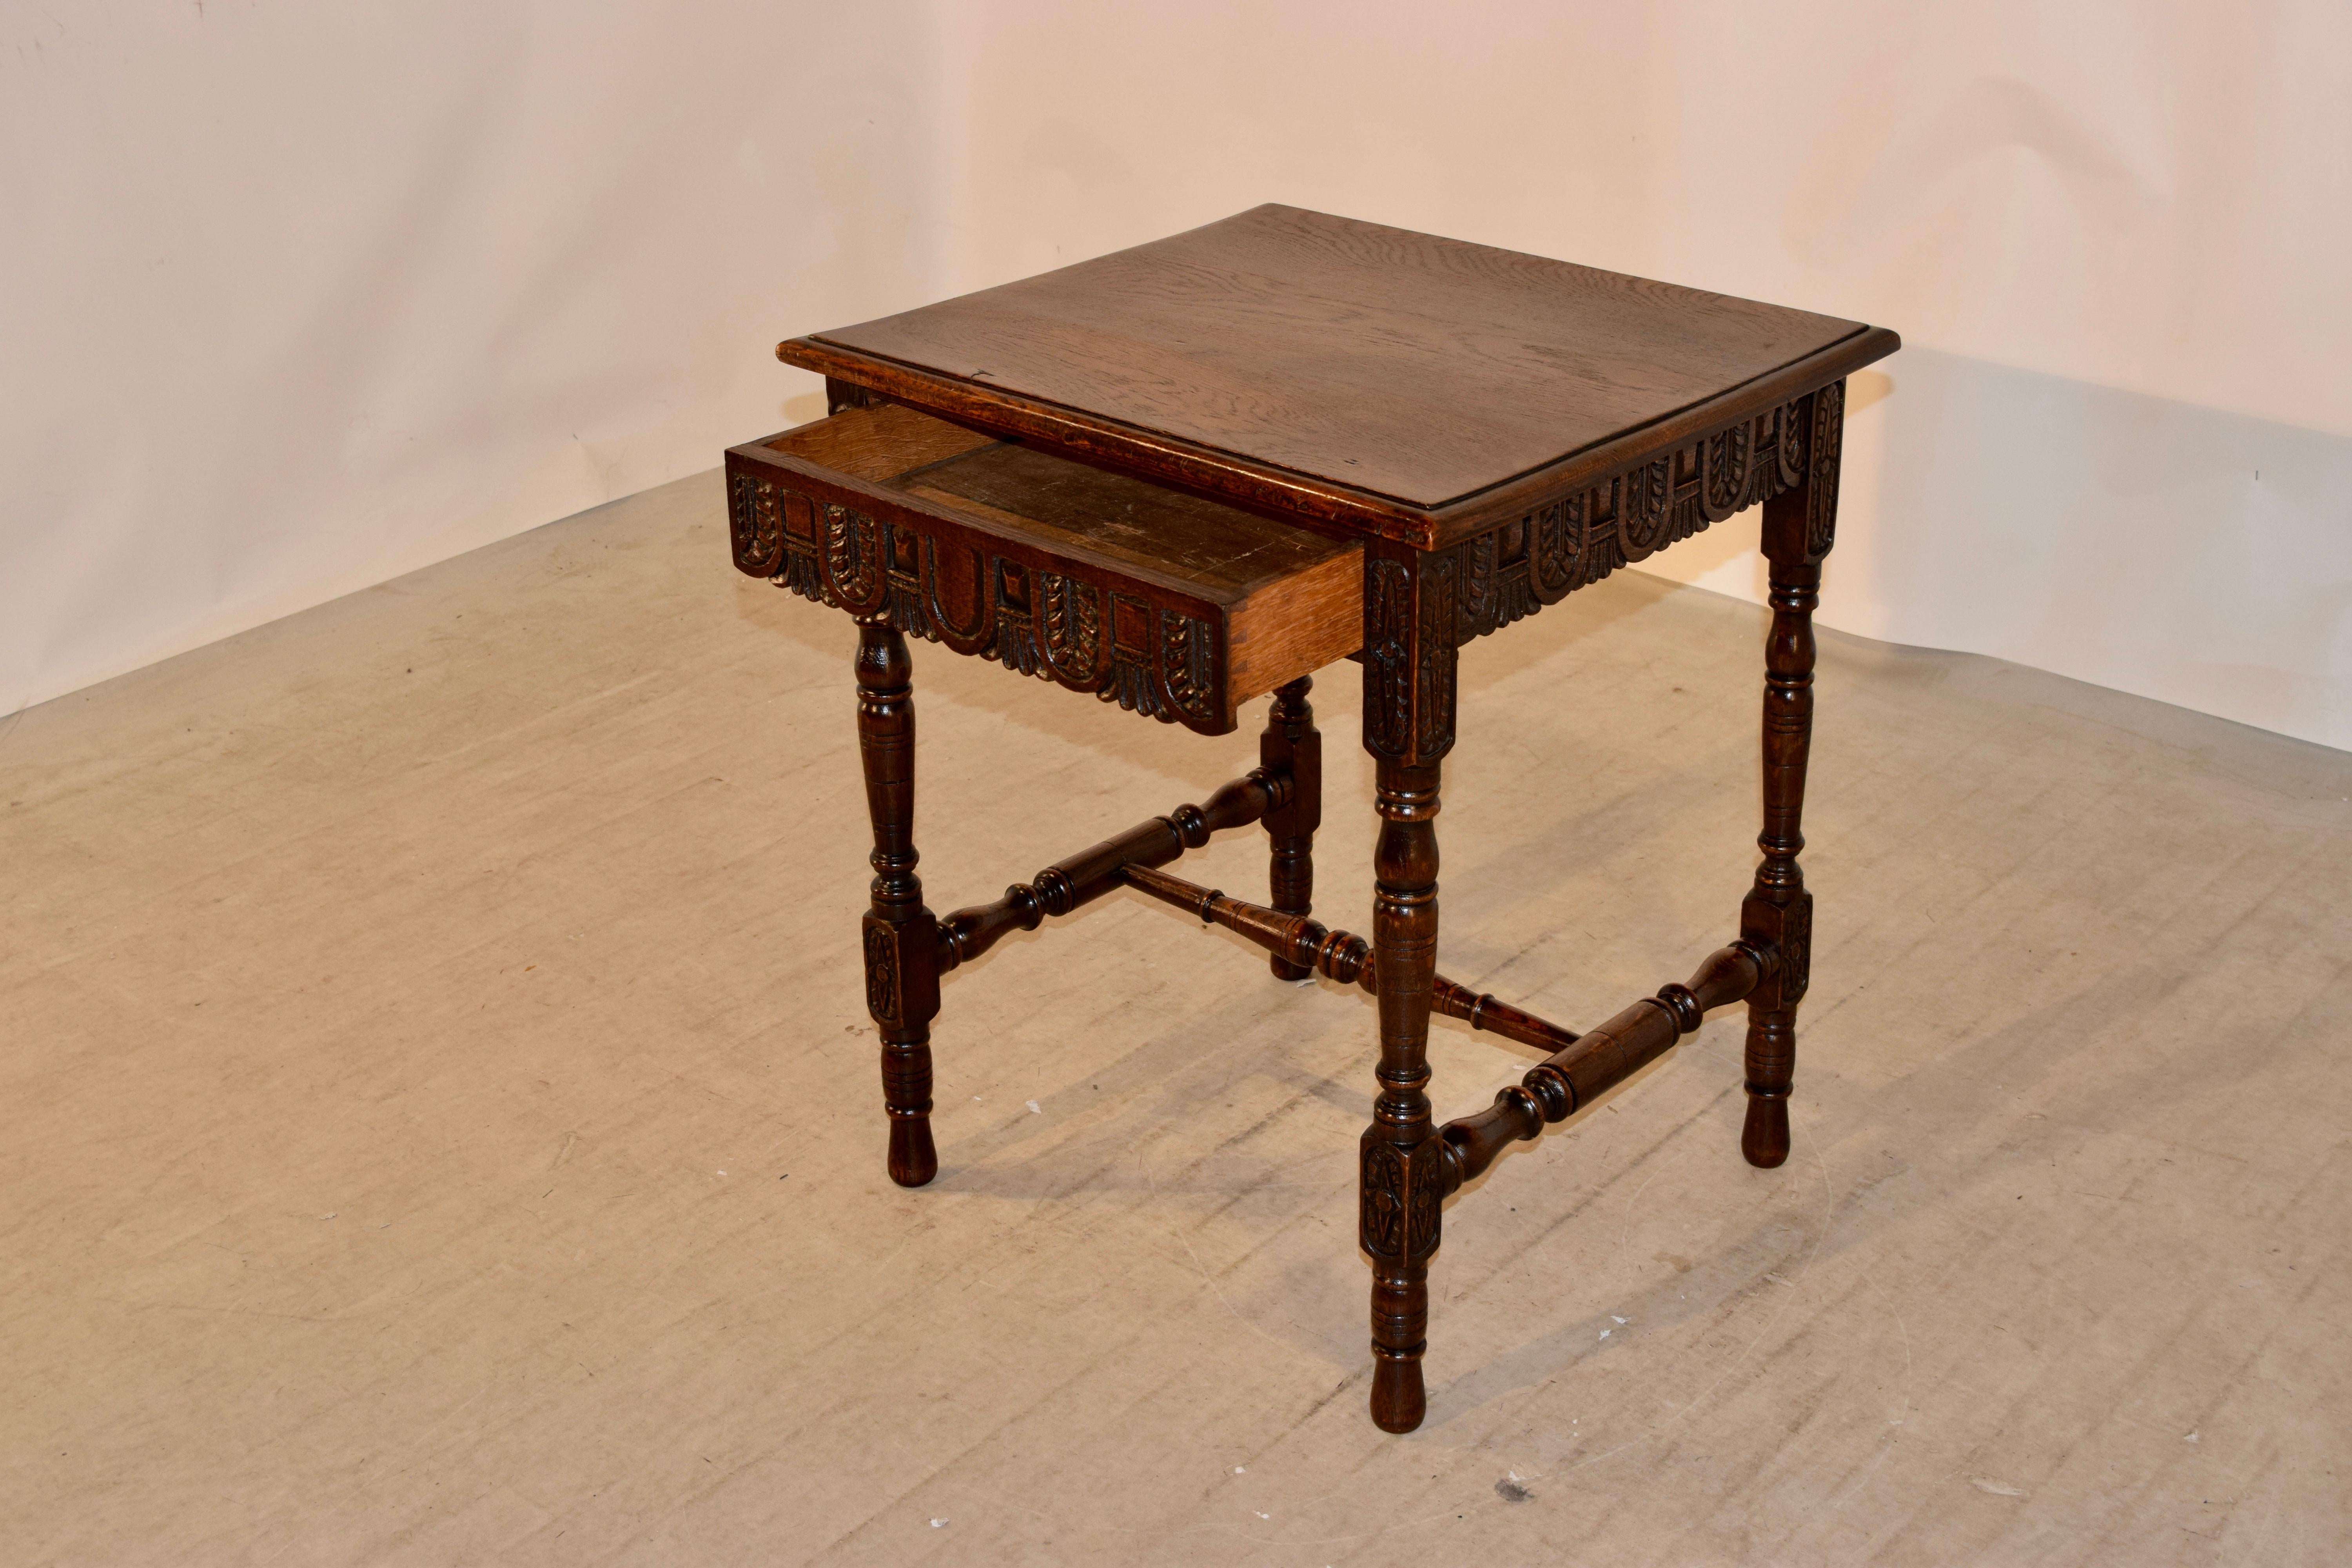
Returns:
(298, 297)
(2113, 236)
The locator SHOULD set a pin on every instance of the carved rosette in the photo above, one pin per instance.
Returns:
(1518, 567)
(881, 974)
(1036, 619)
(1401, 1198)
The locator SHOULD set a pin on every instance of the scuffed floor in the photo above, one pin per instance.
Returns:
(442, 1126)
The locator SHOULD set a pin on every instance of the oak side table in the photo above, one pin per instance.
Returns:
(1192, 473)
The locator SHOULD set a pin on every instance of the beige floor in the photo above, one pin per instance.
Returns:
(442, 1127)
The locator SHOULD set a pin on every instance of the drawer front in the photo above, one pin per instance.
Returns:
(1060, 614)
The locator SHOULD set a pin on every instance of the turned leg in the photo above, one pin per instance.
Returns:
(1402, 1156)
(1410, 632)
(1778, 915)
(1292, 745)
(902, 986)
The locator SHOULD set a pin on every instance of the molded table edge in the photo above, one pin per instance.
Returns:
(1296, 496)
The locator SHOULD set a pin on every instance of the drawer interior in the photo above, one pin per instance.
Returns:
(1291, 601)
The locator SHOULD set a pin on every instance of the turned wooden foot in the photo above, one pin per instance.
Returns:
(913, 1159)
(1764, 1138)
(1399, 1336)
(902, 981)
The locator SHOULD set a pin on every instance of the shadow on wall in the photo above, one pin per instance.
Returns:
(2173, 551)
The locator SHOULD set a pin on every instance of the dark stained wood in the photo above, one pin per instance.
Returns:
(1291, 596)
(1591, 1064)
(902, 987)
(1166, 604)
(1145, 527)
(1376, 378)
(1235, 457)
(1305, 944)
(1778, 915)
(1292, 746)
(877, 444)
(1067, 885)
(1412, 602)
(1403, 1157)
(843, 395)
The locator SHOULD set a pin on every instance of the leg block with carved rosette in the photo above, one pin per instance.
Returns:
(1777, 918)
(902, 984)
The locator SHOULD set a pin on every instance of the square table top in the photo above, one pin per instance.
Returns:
(1371, 379)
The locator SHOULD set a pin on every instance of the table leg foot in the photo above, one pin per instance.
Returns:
(914, 1160)
(1399, 1338)
(1764, 1140)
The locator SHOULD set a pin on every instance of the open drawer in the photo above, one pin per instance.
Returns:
(1164, 603)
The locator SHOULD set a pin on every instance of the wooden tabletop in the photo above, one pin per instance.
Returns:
(1372, 378)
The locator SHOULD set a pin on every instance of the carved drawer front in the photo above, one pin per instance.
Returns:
(1164, 603)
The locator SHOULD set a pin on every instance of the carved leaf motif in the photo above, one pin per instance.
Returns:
(1133, 687)
(1184, 657)
(1642, 510)
(1434, 701)
(1726, 468)
(1829, 428)
(1793, 443)
(801, 575)
(1559, 547)
(1515, 598)
(853, 555)
(1646, 507)
(1480, 601)
(1016, 644)
(1381, 1198)
(1073, 642)
(881, 975)
(906, 612)
(1427, 1201)
(1797, 951)
(757, 522)
(1388, 595)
